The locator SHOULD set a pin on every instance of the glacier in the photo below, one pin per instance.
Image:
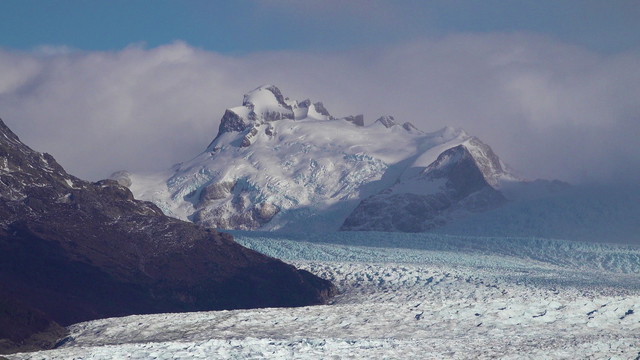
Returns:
(421, 296)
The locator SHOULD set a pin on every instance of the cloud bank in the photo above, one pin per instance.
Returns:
(549, 109)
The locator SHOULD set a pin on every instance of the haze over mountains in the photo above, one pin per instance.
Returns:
(532, 99)
(287, 165)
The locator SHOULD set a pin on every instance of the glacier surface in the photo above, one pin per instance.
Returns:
(423, 296)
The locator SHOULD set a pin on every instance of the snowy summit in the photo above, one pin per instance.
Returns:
(281, 164)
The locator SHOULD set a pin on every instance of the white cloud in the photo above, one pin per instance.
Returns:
(549, 109)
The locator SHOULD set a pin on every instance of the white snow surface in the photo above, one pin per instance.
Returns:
(313, 169)
(407, 296)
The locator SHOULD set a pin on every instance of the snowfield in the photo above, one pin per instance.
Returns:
(420, 296)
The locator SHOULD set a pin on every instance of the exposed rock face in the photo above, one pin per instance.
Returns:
(357, 120)
(232, 122)
(409, 127)
(322, 110)
(276, 115)
(305, 103)
(487, 161)
(387, 120)
(77, 251)
(216, 191)
(398, 212)
(246, 140)
(458, 182)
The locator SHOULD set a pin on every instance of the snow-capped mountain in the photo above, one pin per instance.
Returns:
(281, 164)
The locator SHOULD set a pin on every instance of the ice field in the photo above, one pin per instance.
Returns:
(407, 296)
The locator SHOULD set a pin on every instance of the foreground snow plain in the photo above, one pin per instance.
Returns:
(420, 296)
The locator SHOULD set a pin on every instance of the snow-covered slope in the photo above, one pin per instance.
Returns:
(407, 296)
(462, 179)
(280, 164)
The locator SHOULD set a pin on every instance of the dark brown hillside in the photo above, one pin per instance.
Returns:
(75, 251)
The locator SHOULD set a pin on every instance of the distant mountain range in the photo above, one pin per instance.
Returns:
(72, 251)
(286, 165)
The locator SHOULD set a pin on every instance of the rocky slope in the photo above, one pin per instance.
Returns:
(23, 328)
(74, 251)
(462, 179)
(281, 164)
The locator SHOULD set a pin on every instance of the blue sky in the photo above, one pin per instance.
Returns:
(243, 26)
(149, 80)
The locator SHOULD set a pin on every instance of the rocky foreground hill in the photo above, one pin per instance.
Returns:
(72, 251)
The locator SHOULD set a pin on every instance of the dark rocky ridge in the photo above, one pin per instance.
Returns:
(76, 251)
(321, 109)
(357, 120)
(26, 329)
(387, 120)
(409, 126)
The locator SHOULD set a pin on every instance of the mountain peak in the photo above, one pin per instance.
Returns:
(5, 130)
(8, 134)
(275, 160)
(487, 162)
(262, 105)
(25, 167)
(386, 120)
(265, 95)
(268, 103)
